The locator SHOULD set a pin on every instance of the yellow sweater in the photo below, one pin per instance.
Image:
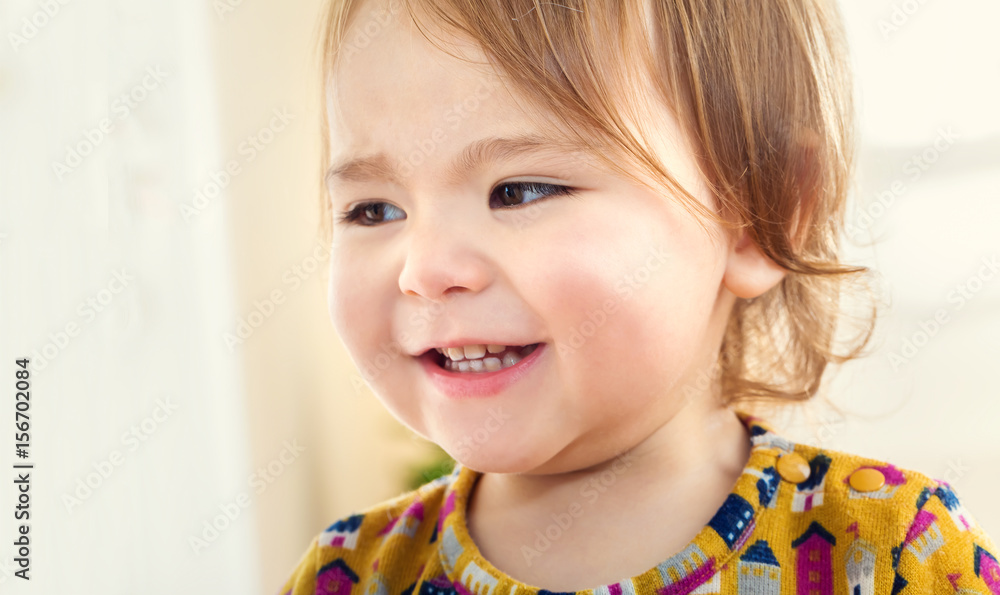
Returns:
(800, 519)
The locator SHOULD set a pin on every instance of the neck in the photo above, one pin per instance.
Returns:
(688, 466)
(701, 444)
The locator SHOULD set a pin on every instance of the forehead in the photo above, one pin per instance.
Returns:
(424, 107)
(394, 61)
(402, 95)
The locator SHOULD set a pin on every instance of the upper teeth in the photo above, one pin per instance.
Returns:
(470, 351)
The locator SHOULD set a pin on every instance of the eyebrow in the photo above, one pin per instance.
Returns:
(492, 149)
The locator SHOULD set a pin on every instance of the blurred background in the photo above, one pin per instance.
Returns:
(195, 421)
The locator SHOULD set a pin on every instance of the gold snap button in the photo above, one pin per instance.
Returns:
(793, 467)
(867, 480)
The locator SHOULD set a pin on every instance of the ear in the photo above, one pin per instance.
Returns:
(749, 272)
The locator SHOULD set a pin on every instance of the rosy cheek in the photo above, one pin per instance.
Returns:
(347, 301)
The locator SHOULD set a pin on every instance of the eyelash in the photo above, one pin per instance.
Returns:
(354, 215)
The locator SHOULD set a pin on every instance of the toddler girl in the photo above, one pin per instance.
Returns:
(669, 181)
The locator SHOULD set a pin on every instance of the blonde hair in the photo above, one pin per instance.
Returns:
(763, 90)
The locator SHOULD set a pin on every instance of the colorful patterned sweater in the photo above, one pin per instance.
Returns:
(794, 523)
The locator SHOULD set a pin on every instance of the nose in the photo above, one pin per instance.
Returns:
(442, 260)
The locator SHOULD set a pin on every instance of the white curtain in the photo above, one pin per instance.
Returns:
(137, 419)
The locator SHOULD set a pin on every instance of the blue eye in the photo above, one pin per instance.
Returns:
(514, 192)
(362, 213)
(508, 195)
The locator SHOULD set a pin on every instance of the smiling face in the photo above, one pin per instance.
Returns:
(621, 286)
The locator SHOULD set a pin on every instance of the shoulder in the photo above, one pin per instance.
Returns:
(399, 533)
(869, 489)
(874, 519)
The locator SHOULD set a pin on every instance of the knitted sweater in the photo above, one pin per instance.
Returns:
(793, 523)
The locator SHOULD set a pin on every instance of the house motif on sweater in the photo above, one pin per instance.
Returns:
(343, 533)
(894, 478)
(770, 535)
(986, 568)
(759, 572)
(809, 493)
(956, 511)
(814, 563)
(860, 566)
(924, 537)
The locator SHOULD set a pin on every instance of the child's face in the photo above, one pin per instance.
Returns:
(621, 285)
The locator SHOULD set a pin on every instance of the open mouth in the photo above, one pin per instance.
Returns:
(489, 362)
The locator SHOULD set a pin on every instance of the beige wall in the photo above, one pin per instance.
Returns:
(298, 377)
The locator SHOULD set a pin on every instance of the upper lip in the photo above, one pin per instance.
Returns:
(464, 342)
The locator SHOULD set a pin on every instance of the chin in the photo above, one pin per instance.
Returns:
(496, 460)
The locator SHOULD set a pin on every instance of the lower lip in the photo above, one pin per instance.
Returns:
(475, 385)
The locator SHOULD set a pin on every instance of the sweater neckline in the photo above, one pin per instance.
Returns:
(698, 563)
